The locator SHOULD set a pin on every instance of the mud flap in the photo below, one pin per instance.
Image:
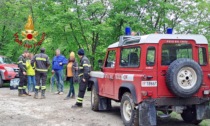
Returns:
(104, 104)
(203, 111)
(147, 114)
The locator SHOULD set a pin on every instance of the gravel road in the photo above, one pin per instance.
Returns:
(54, 111)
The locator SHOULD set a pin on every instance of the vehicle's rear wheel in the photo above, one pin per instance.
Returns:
(128, 113)
(94, 99)
(189, 116)
(1, 81)
(184, 77)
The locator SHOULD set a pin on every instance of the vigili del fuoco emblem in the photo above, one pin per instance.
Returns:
(29, 35)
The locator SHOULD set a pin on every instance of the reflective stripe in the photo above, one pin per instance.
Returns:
(80, 67)
(80, 74)
(80, 99)
(43, 87)
(20, 61)
(42, 70)
(42, 59)
(86, 65)
(20, 87)
(24, 87)
(36, 87)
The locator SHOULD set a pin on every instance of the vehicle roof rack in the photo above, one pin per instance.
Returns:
(127, 40)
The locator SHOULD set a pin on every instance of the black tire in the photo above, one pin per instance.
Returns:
(1, 82)
(134, 116)
(94, 99)
(181, 74)
(189, 116)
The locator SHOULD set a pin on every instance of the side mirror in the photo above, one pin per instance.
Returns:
(100, 64)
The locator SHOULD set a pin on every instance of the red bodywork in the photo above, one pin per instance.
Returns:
(109, 86)
(7, 75)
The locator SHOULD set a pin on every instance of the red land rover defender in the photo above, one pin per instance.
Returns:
(8, 70)
(155, 72)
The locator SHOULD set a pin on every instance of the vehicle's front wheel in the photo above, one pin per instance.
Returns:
(128, 113)
(94, 99)
(189, 116)
(1, 81)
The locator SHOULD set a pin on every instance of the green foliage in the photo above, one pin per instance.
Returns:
(95, 24)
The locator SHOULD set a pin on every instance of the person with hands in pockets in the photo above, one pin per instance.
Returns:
(57, 68)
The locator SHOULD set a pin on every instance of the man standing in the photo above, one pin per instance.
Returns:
(22, 74)
(57, 67)
(42, 64)
(84, 70)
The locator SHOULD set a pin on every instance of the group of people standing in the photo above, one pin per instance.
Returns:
(34, 69)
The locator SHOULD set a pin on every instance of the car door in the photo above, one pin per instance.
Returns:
(109, 72)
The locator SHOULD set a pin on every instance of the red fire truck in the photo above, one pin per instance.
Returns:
(155, 72)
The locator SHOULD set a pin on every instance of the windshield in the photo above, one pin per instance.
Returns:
(5, 60)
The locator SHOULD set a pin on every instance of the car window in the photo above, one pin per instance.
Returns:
(111, 59)
(150, 56)
(173, 51)
(202, 56)
(1, 60)
(130, 57)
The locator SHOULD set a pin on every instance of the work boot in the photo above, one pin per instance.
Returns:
(77, 105)
(36, 94)
(43, 94)
(19, 92)
(25, 93)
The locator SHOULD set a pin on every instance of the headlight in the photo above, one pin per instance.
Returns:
(9, 69)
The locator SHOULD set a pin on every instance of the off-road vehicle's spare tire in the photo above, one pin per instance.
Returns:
(184, 77)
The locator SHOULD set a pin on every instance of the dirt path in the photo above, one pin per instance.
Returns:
(54, 111)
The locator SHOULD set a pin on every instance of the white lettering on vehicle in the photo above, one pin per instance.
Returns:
(127, 77)
(149, 83)
(124, 77)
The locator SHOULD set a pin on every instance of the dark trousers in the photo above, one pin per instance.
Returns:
(23, 81)
(41, 78)
(71, 90)
(82, 89)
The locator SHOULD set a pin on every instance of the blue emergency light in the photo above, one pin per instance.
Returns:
(127, 31)
(169, 30)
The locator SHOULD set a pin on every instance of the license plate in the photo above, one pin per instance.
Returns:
(14, 82)
(149, 83)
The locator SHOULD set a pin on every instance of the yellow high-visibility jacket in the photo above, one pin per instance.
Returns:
(29, 69)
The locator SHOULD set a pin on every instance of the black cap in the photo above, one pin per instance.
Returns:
(81, 52)
(42, 50)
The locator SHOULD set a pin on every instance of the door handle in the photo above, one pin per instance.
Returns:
(111, 78)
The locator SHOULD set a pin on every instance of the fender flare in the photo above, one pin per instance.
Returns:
(92, 81)
(131, 88)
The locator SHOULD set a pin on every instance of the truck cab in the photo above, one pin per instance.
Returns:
(155, 72)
